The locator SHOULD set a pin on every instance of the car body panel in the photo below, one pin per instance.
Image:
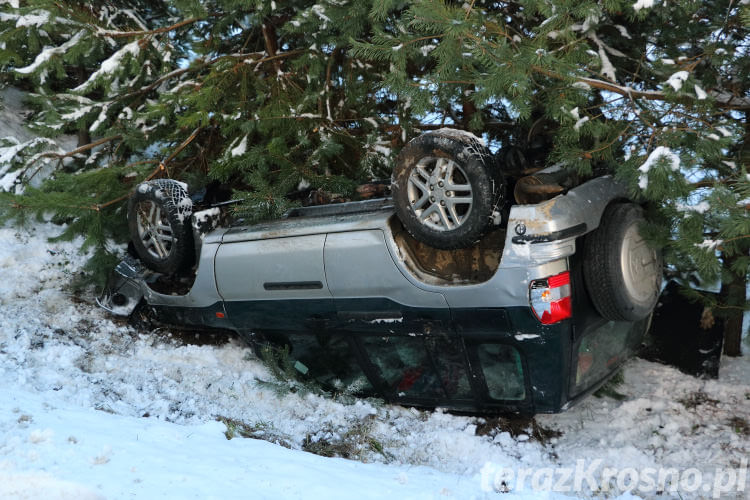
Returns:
(332, 283)
(350, 217)
(284, 268)
(358, 265)
(547, 231)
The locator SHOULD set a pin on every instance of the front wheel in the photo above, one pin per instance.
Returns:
(159, 221)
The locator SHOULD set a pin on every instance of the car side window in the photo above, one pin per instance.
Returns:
(330, 360)
(600, 350)
(432, 367)
(404, 365)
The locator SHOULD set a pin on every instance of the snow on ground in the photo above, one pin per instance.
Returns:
(15, 137)
(91, 408)
(12, 119)
(11, 115)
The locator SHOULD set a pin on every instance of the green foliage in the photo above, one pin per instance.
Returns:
(237, 428)
(289, 94)
(287, 378)
(354, 443)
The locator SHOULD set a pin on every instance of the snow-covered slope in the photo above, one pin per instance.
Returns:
(91, 408)
(16, 138)
(12, 113)
(53, 449)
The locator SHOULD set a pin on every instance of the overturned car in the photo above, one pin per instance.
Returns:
(444, 295)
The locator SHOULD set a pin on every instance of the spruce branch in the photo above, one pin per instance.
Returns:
(81, 149)
(469, 9)
(729, 240)
(60, 156)
(165, 29)
(723, 99)
(609, 144)
(162, 167)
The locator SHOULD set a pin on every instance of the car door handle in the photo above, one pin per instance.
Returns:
(293, 285)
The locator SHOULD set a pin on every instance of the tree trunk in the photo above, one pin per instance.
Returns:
(272, 44)
(83, 136)
(468, 107)
(733, 295)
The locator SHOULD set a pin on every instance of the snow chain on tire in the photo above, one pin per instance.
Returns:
(159, 221)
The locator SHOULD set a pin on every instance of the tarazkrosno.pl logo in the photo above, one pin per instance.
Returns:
(591, 476)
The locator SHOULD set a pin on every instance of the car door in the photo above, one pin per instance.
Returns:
(371, 294)
(275, 283)
(401, 330)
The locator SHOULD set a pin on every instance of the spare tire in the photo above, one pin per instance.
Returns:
(159, 221)
(622, 272)
(447, 189)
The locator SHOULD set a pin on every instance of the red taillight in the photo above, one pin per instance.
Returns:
(550, 298)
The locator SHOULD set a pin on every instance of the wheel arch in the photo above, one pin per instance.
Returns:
(618, 200)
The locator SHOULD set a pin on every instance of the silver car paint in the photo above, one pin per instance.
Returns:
(582, 205)
(244, 269)
(349, 255)
(358, 265)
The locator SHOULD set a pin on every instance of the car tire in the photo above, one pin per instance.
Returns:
(426, 170)
(159, 222)
(622, 272)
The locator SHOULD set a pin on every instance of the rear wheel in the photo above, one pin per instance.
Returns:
(447, 189)
(622, 272)
(159, 222)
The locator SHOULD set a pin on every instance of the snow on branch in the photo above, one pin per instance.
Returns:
(643, 4)
(608, 69)
(677, 79)
(656, 155)
(48, 52)
(10, 154)
(36, 19)
(165, 29)
(110, 65)
(723, 98)
(7, 154)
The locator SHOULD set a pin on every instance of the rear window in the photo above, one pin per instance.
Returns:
(600, 350)
(503, 371)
